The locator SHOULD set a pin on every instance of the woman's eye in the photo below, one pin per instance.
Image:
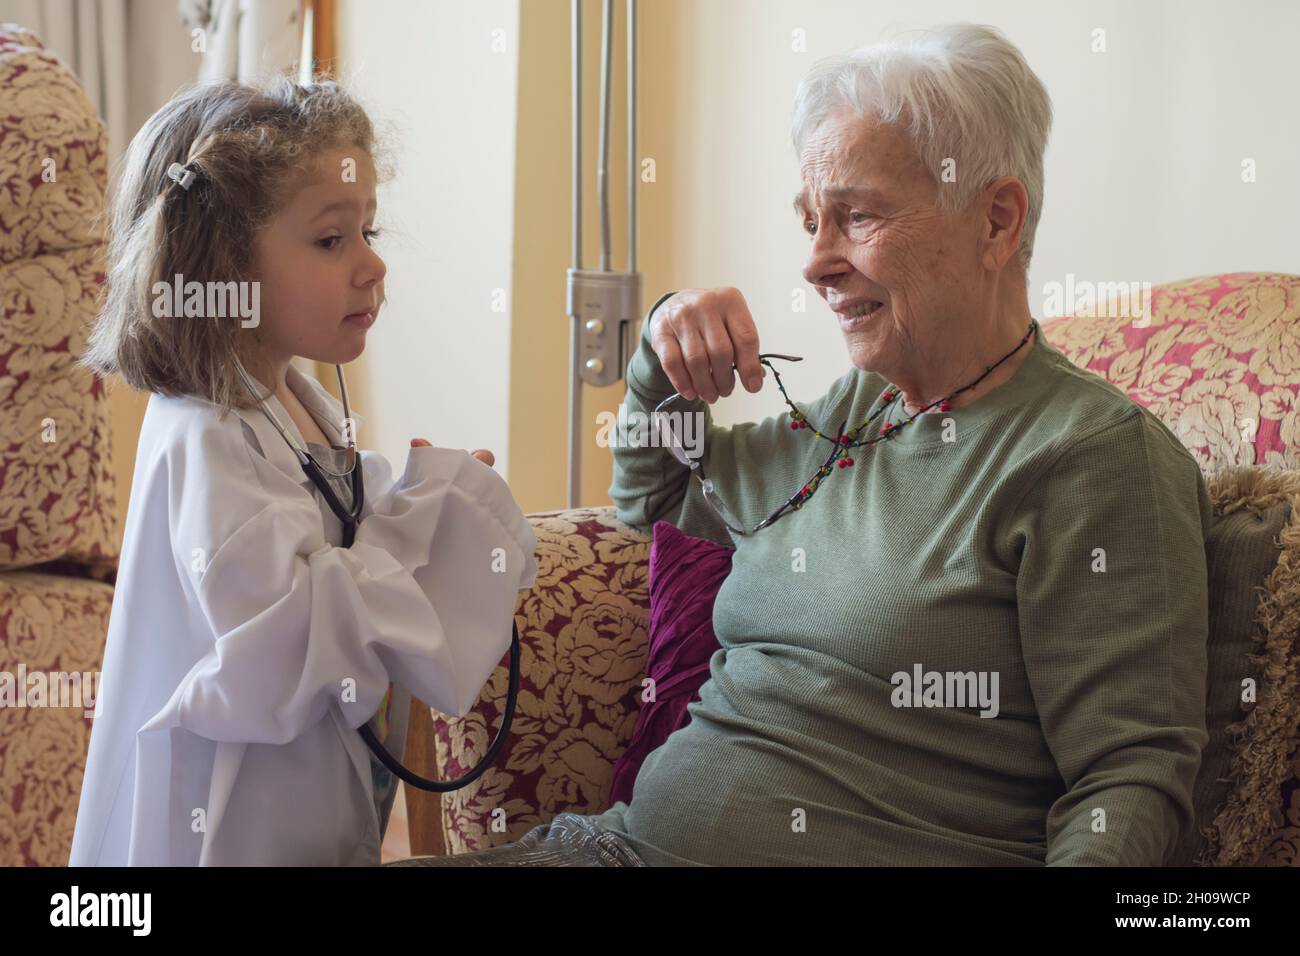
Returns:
(810, 227)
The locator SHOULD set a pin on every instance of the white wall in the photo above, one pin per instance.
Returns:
(1143, 175)
(1142, 170)
(436, 364)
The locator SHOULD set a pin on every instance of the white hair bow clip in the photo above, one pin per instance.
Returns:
(181, 174)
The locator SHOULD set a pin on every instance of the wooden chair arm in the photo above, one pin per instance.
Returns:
(423, 809)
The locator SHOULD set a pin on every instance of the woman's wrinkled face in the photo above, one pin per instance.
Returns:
(869, 208)
(316, 264)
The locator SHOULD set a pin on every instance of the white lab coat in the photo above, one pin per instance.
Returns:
(223, 733)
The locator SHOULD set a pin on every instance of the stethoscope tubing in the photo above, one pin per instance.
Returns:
(350, 518)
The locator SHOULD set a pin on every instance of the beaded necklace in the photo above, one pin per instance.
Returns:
(842, 442)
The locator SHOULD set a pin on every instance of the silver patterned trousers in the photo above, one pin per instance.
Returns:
(568, 840)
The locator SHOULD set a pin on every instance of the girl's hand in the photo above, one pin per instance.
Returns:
(482, 454)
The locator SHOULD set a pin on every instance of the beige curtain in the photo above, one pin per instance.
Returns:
(90, 36)
(244, 39)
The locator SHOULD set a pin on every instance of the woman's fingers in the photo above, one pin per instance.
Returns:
(721, 355)
(674, 366)
(744, 343)
(416, 442)
(702, 336)
(696, 355)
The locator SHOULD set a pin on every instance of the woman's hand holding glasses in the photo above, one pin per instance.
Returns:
(702, 337)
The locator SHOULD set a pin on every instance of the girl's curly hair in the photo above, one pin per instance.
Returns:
(249, 145)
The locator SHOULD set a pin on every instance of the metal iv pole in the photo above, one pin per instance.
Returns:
(603, 305)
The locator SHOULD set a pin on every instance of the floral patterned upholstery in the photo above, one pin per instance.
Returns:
(55, 476)
(59, 532)
(1218, 359)
(583, 636)
(52, 623)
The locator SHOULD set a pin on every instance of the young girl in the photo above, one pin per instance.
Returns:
(246, 646)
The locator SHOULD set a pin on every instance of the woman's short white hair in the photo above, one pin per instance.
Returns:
(960, 92)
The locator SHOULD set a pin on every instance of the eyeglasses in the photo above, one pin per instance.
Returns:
(673, 442)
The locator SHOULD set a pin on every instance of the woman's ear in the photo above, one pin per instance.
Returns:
(1007, 212)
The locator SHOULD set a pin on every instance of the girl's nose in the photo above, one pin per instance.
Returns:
(370, 268)
(374, 270)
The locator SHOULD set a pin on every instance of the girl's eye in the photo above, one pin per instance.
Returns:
(328, 241)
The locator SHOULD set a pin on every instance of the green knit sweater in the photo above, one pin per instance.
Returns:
(1044, 545)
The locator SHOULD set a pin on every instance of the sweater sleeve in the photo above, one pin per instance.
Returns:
(1113, 609)
(755, 466)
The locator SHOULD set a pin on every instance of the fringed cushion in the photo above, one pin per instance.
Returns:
(1256, 820)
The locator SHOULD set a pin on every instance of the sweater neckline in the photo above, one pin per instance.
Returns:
(1019, 390)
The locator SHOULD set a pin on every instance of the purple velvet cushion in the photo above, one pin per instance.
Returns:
(685, 575)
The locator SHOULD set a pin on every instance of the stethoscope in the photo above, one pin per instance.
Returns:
(350, 518)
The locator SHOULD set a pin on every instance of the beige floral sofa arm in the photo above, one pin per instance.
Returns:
(583, 631)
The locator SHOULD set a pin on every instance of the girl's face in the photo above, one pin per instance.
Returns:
(316, 265)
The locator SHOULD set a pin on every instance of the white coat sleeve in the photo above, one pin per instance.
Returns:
(425, 596)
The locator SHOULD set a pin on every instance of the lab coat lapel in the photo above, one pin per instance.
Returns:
(324, 407)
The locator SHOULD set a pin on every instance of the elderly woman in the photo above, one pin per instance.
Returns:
(991, 516)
